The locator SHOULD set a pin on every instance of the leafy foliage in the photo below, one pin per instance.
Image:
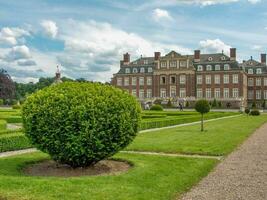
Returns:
(255, 112)
(81, 123)
(156, 107)
(202, 106)
(14, 141)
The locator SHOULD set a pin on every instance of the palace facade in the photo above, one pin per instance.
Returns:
(187, 78)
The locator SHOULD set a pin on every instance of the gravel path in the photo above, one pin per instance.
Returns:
(18, 152)
(241, 176)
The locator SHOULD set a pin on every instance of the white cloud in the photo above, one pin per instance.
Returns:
(256, 47)
(211, 46)
(160, 14)
(254, 1)
(10, 36)
(50, 28)
(17, 53)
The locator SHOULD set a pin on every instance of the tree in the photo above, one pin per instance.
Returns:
(202, 106)
(263, 104)
(247, 111)
(214, 103)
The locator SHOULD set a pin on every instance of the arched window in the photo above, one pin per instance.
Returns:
(226, 67)
(208, 67)
(135, 70)
(142, 70)
(199, 68)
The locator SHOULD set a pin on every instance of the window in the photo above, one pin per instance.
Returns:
(208, 93)
(208, 79)
(258, 81)
(141, 94)
(199, 93)
(226, 67)
(145, 62)
(235, 78)
(258, 94)
(250, 71)
(135, 70)
(163, 64)
(133, 80)
(217, 79)
(265, 81)
(134, 93)
(173, 91)
(119, 81)
(149, 93)
(142, 70)
(126, 81)
(182, 79)
(199, 79)
(265, 94)
(208, 67)
(217, 93)
(250, 94)
(163, 80)
(127, 71)
(141, 81)
(182, 93)
(250, 82)
(235, 92)
(173, 63)
(226, 79)
(258, 71)
(163, 93)
(210, 59)
(149, 81)
(150, 69)
(199, 68)
(182, 63)
(217, 67)
(226, 92)
(223, 58)
(173, 80)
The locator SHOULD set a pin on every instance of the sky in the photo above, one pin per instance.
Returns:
(87, 38)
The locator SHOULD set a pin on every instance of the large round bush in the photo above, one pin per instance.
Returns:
(81, 123)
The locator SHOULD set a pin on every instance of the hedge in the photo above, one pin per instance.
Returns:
(13, 142)
(3, 124)
(11, 119)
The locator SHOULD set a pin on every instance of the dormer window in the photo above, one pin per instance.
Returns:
(127, 70)
(250, 71)
(217, 67)
(251, 63)
(135, 62)
(199, 68)
(210, 59)
(135, 70)
(145, 62)
(226, 67)
(223, 58)
(150, 69)
(208, 67)
(142, 70)
(259, 71)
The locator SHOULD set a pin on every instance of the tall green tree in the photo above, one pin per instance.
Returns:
(202, 106)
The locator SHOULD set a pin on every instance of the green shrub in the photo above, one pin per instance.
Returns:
(13, 142)
(11, 118)
(3, 124)
(1, 102)
(202, 106)
(255, 112)
(16, 106)
(80, 124)
(153, 116)
(214, 103)
(253, 105)
(156, 107)
(247, 111)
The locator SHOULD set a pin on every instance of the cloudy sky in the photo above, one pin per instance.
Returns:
(87, 38)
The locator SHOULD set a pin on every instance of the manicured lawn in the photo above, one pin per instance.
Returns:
(220, 137)
(152, 177)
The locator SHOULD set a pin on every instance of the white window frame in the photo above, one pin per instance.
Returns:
(163, 93)
(217, 93)
(199, 93)
(258, 81)
(163, 64)
(149, 80)
(141, 81)
(226, 93)
(217, 67)
(135, 70)
(126, 81)
(209, 68)
(150, 69)
(250, 71)
(258, 94)
(182, 79)
(250, 82)
(127, 70)
(141, 94)
(226, 67)
(200, 68)
(199, 79)
(208, 93)
(133, 80)
(235, 78)
(235, 93)
(142, 70)
(251, 94)
(119, 81)
(258, 71)
(217, 79)
(208, 79)
(182, 93)
(149, 93)
(226, 79)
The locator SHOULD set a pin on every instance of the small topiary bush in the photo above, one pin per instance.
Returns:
(156, 108)
(80, 124)
(247, 111)
(255, 112)
(202, 106)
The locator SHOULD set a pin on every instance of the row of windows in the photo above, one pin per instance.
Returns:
(126, 81)
(258, 71)
(138, 70)
(217, 93)
(142, 93)
(257, 81)
(173, 64)
(257, 93)
(216, 68)
(217, 79)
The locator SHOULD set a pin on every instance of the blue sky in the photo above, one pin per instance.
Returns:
(87, 38)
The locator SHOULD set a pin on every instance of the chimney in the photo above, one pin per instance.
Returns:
(197, 56)
(156, 55)
(126, 58)
(232, 53)
(263, 58)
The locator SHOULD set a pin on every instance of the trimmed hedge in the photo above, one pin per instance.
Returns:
(80, 124)
(11, 119)
(156, 108)
(3, 124)
(255, 112)
(13, 142)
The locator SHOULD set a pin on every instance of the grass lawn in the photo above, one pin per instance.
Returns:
(152, 177)
(220, 137)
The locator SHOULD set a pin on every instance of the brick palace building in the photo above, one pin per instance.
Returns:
(186, 78)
